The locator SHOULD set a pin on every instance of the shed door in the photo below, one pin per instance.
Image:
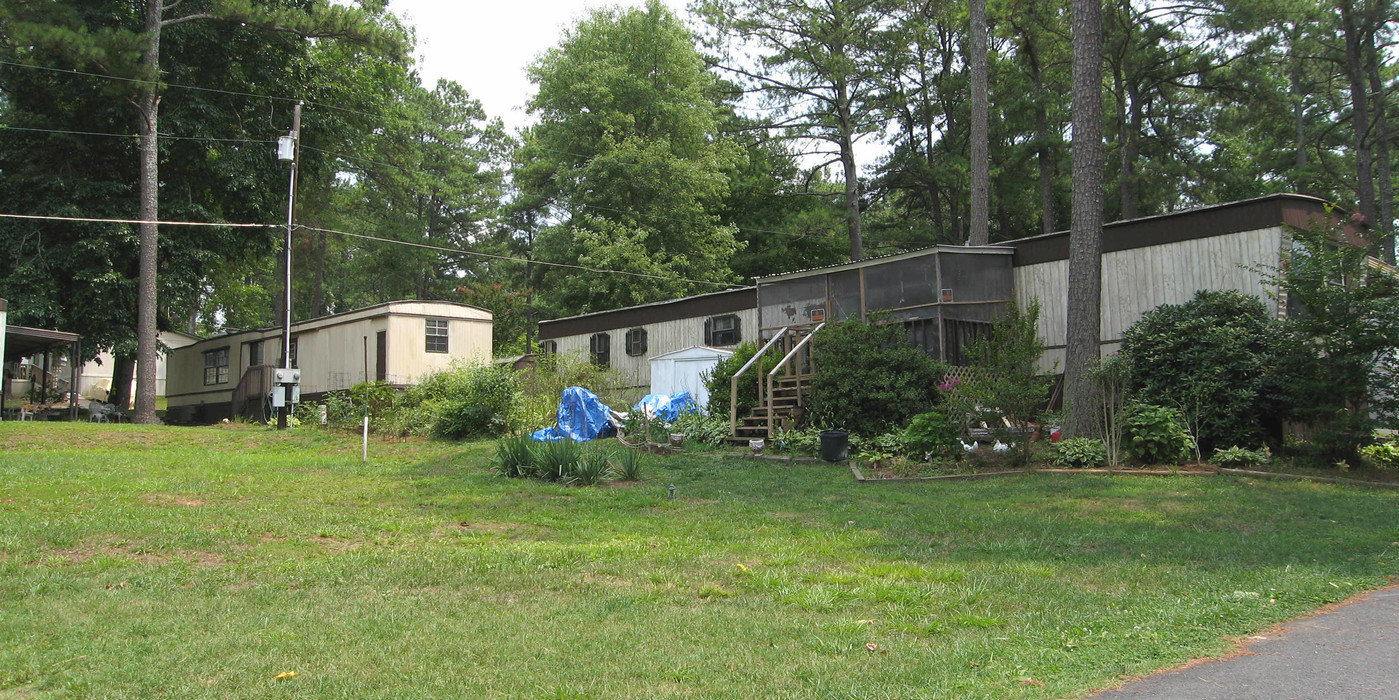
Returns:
(381, 356)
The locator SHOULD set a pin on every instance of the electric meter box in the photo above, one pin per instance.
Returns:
(286, 376)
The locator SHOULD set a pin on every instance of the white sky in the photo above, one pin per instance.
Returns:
(486, 45)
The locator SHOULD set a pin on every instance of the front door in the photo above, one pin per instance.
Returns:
(381, 356)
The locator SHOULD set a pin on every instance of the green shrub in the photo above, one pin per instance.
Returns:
(805, 441)
(466, 400)
(1342, 372)
(705, 430)
(1384, 455)
(1010, 382)
(870, 378)
(541, 388)
(1079, 452)
(889, 443)
(933, 434)
(1217, 358)
(1156, 434)
(628, 465)
(514, 457)
(1236, 457)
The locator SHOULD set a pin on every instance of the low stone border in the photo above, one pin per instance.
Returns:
(860, 477)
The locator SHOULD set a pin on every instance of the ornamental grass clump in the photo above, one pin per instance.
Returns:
(628, 465)
(591, 466)
(514, 457)
(555, 460)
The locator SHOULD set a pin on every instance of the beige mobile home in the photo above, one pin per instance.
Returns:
(396, 342)
(1166, 259)
(626, 339)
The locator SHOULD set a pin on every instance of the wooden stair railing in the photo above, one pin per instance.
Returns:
(251, 392)
(779, 397)
(733, 381)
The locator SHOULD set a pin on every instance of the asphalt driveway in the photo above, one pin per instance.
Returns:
(1349, 652)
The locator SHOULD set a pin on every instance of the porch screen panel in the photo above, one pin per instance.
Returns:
(795, 302)
(901, 283)
(976, 277)
(845, 295)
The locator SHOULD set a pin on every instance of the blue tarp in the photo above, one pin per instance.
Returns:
(582, 417)
(667, 407)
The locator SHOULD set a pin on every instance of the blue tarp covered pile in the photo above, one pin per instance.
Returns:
(582, 417)
(667, 408)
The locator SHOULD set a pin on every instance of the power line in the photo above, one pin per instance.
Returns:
(86, 219)
(132, 136)
(509, 258)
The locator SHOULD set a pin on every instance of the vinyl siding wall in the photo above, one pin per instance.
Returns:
(1140, 279)
(661, 338)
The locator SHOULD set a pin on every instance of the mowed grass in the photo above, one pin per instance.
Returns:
(175, 562)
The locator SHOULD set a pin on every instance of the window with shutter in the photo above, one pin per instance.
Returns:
(636, 342)
(600, 349)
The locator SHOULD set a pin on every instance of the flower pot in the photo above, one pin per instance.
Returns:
(676, 439)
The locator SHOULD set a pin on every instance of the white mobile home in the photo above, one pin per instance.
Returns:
(627, 339)
(946, 296)
(396, 342)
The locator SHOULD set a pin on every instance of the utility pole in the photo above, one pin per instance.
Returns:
(285, 410)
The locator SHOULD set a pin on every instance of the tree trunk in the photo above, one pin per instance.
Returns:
(1360, 106)
(1384, 178)
(1299, 113)
(980, 159)
(148, 104)
(1043, 144)
(123, 366)
(852, 178)
(1086, 231)
(1131, 148)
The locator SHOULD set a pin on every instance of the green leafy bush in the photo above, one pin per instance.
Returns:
(1384, 455)
(805, 441)
(1079, 452)
(933, 434)
(870, 378)
(466, 400)
(1345, 319)
(1156, 434)
(1236, 457)
(706, 430)
(1010, 383)
(1217, 358)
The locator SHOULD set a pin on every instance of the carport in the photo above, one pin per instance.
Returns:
(21, 342)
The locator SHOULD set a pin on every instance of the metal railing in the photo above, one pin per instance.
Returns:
(794, 371)
(733, 381)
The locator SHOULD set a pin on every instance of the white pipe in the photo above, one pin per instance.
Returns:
(364, 457)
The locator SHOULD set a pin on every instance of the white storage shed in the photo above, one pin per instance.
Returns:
(684, 370)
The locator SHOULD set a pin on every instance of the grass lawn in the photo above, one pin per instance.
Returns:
(179, 562)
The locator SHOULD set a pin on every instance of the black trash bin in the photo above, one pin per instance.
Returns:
(835, 445)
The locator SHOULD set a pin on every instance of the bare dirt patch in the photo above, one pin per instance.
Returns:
(508, 529)
(173, 499)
